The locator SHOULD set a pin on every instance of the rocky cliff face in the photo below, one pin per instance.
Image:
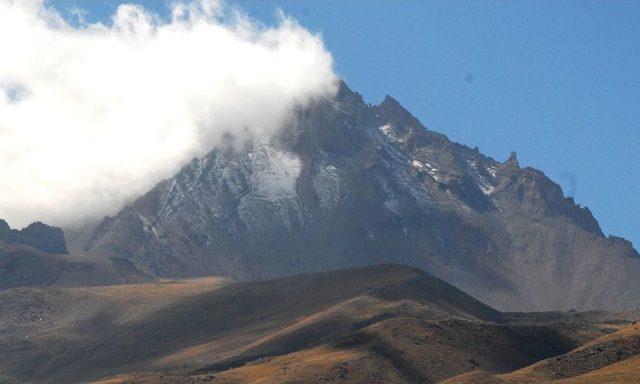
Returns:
(37, 235)
(349, 184)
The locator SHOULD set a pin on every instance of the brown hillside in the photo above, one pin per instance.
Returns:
(613, 358)
(387, 323)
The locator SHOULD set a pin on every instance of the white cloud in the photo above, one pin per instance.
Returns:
(93, 116)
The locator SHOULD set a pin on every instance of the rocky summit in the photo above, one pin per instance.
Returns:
(350, 184)
(38, 235)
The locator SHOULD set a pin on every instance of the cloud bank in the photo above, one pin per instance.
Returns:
(93, 115)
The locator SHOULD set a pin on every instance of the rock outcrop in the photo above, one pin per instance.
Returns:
(38, 235)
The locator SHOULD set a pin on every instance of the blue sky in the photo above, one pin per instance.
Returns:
(558, 82)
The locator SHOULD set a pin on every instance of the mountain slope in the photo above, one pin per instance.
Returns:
(612, 358)
(386, 323)
(349, 184)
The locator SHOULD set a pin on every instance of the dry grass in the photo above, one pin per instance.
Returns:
(596, 354)
(624, 372)
(385, 324)
(613, 358)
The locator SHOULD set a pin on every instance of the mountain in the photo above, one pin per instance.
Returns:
(351, 184)
(380, 324)
(37, 256)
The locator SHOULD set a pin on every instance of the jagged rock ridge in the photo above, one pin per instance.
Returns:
(349, 184)
(38, 235)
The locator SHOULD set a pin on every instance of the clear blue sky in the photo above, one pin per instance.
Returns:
(558, 82)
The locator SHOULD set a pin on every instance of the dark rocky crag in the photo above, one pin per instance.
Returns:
(350, 184)
(37, 235)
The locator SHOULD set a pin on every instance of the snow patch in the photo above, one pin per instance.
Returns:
(485, 186)
(326, 183)
(147, 226)
(388, 131)
(271, 201)
(487, 189)
(337, 106)
(275, 172)
(423, 166)
(493, 171)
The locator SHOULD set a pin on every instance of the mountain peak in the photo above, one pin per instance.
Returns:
(393, 107)
(512, 161)
(389, 101)
(346, 95)
(395, 113)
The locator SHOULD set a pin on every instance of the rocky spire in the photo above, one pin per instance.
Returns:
(346, 95)
(512, 162)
